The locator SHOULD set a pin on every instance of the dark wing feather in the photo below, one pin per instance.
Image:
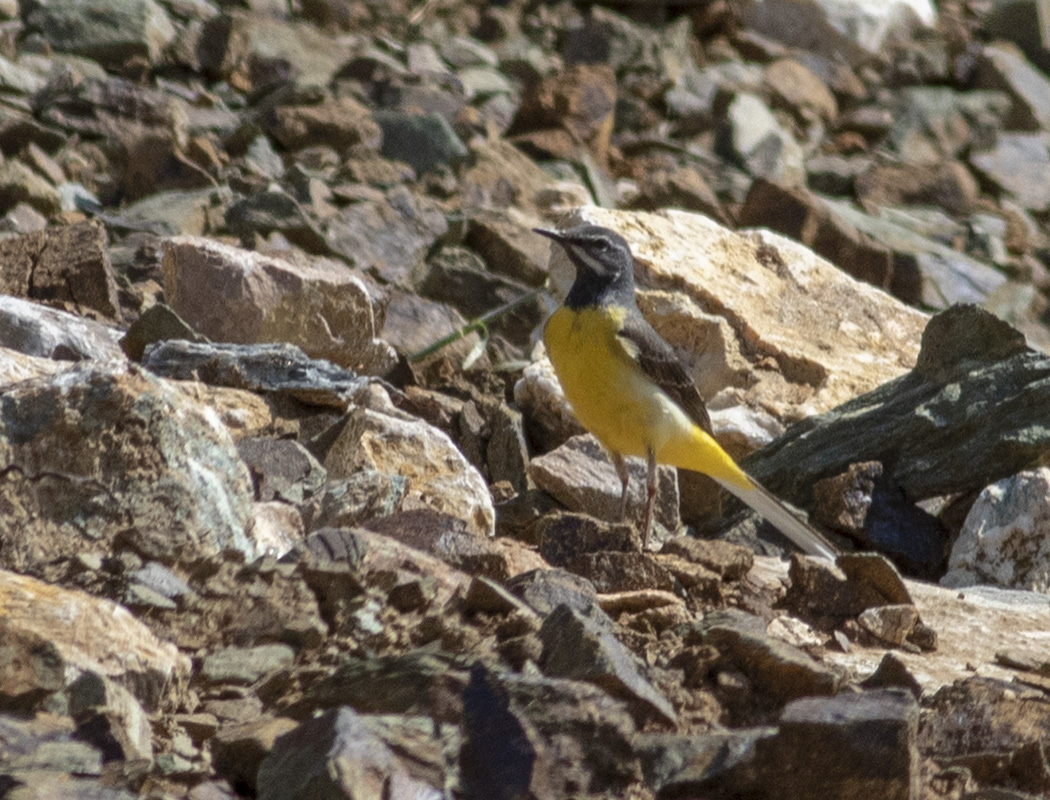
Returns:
(659, 362)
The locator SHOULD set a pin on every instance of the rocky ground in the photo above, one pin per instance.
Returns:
(291, 505)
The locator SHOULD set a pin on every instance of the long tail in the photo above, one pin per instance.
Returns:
(805, 537)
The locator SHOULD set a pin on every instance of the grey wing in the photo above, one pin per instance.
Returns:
(659, 362)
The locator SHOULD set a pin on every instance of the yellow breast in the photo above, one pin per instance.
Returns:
(614, 399)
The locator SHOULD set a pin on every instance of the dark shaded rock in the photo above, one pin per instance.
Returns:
(508, 247)
(564, 536)
(497, 757)
(239, 749)
(30, 669)
(1004, 68)
(281, 469)
(459, 278)
(110, 718)
(65, 266)
(893, 673)
(576, 647)
(622, 572)
(342, 123)
(266, 212)
(850, 745)
(271, 368)
(822, 589)
(156, 324)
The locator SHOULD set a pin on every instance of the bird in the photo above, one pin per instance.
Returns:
(627, 386)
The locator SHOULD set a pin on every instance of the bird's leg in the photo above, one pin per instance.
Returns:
(650, 500)
(625, 476)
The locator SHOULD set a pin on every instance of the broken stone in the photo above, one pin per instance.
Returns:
(576, 647)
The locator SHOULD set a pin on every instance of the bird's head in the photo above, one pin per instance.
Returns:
(602, 259)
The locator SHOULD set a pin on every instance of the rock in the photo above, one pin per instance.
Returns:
(850, 745)
(755, 139)
(946, 184)
(437, 475)
(92, 634)
(271, 213)
(37, 330)
(1018, 163)
(925, 271)
(507, 245)
(341, 122)
(582, 477)
(569, 111)
(801, 91)
(892, 624)
(281, 469)
(774, 668)
(365, 495)
(30, 669)
(1003, 68)
(1000, 541)
(15, 366)
(729, 561)
(576, 647)
(110, 31)
(423, 141)
(970, 362)
(66, 266)
(110, 717)
(110, 451)
(44, 753)
(20, 184)
(280, 370)
(547, 589)
(712, 762)
(245, 665)
(157, 324)
(240, 749)
(235, 295)
(497, 757)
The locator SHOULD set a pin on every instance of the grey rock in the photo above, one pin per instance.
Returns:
(755, 139)
(546, 589)
(388, 238)
(1004, 68)
(362, 496)
(160, 579)
(576, 647)
(712, 763)
(31, 668)
(245, 665)
(109, 31)
(275, 211)
(20, 184)
(273, 368)
(44, 749)
(37, 330)
(1019, 164)
(281, 469)
(925, 271)
(424, 142)
(158, 323)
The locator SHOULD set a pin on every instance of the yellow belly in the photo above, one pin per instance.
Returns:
(614, 399)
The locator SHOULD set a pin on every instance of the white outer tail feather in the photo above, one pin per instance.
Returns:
(781, 517)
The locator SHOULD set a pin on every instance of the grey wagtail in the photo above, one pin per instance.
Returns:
(627, 387)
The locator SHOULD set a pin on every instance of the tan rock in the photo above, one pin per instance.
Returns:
(91, 633)
(234, 295)
(243, 413)
(440, 478)
(276, 528)
(16, 366)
